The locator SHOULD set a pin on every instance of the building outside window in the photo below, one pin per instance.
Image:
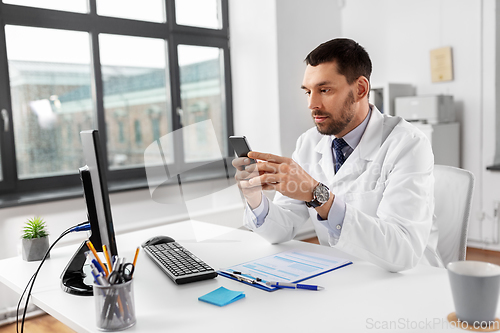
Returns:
(155, 127)
(138, 132)
(115, 66)
(121, 133)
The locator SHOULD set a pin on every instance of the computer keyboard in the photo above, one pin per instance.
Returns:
(180, 265)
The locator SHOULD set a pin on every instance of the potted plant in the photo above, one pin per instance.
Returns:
(35, 239)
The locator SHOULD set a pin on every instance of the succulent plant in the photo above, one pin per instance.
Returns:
(35, 228)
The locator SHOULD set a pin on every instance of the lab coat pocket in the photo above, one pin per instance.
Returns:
(366, 201)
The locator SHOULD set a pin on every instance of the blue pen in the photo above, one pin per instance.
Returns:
(96, 278)
(293, 286)
(98, 266)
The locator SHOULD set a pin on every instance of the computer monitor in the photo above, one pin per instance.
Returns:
(94, 159)
(95, 190)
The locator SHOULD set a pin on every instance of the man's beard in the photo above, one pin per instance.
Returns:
(335, 126)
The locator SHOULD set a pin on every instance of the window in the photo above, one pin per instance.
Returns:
(77, 6)
(144, 10)
(198, 13)
(135, 76)
(133, 70)
(44, 73)
(201, 98)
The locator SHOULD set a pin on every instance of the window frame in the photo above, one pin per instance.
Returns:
(14, 191)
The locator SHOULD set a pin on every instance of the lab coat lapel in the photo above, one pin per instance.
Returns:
(361, 156)
(365, 152)
(324, 148)
(371, 140)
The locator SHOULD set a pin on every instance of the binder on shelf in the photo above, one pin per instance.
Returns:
(290, 266)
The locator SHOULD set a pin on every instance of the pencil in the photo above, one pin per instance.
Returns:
(135, 258)
(91, 247)
(108, 259)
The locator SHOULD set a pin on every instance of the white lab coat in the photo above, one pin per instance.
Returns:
(387, 184)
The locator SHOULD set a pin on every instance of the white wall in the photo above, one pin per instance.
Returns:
(254, 66)
(302, 26)
(487, 225)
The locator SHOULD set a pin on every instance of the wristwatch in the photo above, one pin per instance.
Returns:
(321, 194)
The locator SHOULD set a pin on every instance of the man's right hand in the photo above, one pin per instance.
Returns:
(244, 172)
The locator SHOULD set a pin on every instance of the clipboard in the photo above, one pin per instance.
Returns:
(290, 266)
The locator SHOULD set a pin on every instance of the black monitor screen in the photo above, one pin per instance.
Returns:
(94, 160)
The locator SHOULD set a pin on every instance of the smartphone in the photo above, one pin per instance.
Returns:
(241, 146)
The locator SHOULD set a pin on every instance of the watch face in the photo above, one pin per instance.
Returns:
(322, 193)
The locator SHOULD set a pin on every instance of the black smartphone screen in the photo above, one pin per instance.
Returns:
(240, 146)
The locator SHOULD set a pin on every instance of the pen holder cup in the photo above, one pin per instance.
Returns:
(114, 306)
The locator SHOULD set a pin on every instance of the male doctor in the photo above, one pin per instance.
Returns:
(363, 177)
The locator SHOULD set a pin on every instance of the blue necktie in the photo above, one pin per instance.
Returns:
(338, 145)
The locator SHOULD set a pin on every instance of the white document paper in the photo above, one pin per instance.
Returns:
(290, 266)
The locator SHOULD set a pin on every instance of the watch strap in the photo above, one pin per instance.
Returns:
(313, 204)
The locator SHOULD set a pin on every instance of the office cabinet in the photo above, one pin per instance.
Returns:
(445, 140)
(383, 95)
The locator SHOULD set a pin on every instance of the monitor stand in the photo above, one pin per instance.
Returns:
(73, 276)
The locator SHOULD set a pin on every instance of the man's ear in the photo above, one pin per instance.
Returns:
(362, 87)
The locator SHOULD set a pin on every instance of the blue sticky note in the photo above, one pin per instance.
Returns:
(222, 296)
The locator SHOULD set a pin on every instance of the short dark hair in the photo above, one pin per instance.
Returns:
(351, 58)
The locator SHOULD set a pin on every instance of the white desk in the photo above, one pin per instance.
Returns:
(359, 297)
